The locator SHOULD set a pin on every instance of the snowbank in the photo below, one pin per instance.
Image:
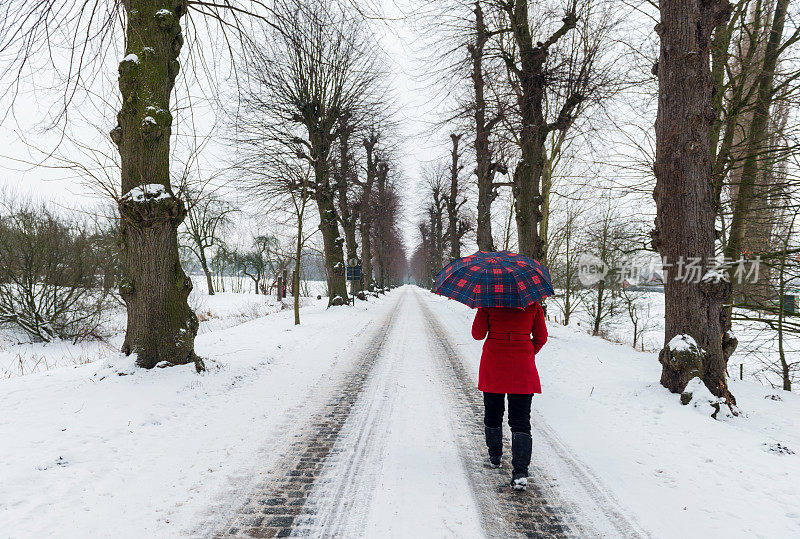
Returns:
(20, 357)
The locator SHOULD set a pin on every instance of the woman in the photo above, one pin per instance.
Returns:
(508, 367)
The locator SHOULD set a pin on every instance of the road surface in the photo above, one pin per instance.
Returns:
(395, 449)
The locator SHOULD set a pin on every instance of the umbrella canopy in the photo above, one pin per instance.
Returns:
(496, 279)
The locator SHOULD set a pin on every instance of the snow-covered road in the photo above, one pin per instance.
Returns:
(405, 457)
(396, 470)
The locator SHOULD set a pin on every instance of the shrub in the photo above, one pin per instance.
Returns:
(54, 274)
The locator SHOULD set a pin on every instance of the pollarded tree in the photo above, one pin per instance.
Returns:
(457, 223)
(345, 176)
(154, 287)
(485, 119)
(385, 224)
(466, 65)
(526, 60)
(316, 68)
(553, 81)
(375, 142)
(695, 341)
(434, 188)
(366, 210)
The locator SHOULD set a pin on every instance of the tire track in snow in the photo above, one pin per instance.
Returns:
(336, 506)
(395, 466)
(543, 510)
(272, 509)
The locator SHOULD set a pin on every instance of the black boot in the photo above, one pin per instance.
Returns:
(520, 459)
(494, 441)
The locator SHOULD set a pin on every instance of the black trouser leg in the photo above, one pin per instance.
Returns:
(494, 406)
(519, 419)
(519, 412)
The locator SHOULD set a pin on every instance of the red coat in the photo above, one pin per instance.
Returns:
(508, 363)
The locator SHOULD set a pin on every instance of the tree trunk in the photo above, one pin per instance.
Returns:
(366, 214)
(547, 184)
(785, 372)
(720, 56)
(483, 169)
(601, 287)
(298, 252)
(535, 128)
(550, 162)
(161, 326)
(348, 217)
(332, 243)
(206, 271)
(727, 152)
(568, 276)
(756, 137)
(256, 280)
(452, 201)
(527, 198)
(366, 254)
(382, 178)
(684, 195)
(437, 226)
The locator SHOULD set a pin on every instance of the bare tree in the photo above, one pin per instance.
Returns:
(465, 65)
(758, 132)
(565, 251)
(458, 224)
(635, 303)
(161, 326)
(207, 216)
(345, 181)
(526, 63)
(300, 198)
(386, 235)
(609, 239)
(366, 209)
(53, 279)
(386, 206)
(435, 185)
(548, 85)
(486, 167)
(318, 67)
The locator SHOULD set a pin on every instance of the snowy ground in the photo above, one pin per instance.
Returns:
(757, 354)
(20, 357)
(144, 454)
(170, 452)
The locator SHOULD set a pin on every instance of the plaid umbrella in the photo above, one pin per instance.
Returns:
(497, 279)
